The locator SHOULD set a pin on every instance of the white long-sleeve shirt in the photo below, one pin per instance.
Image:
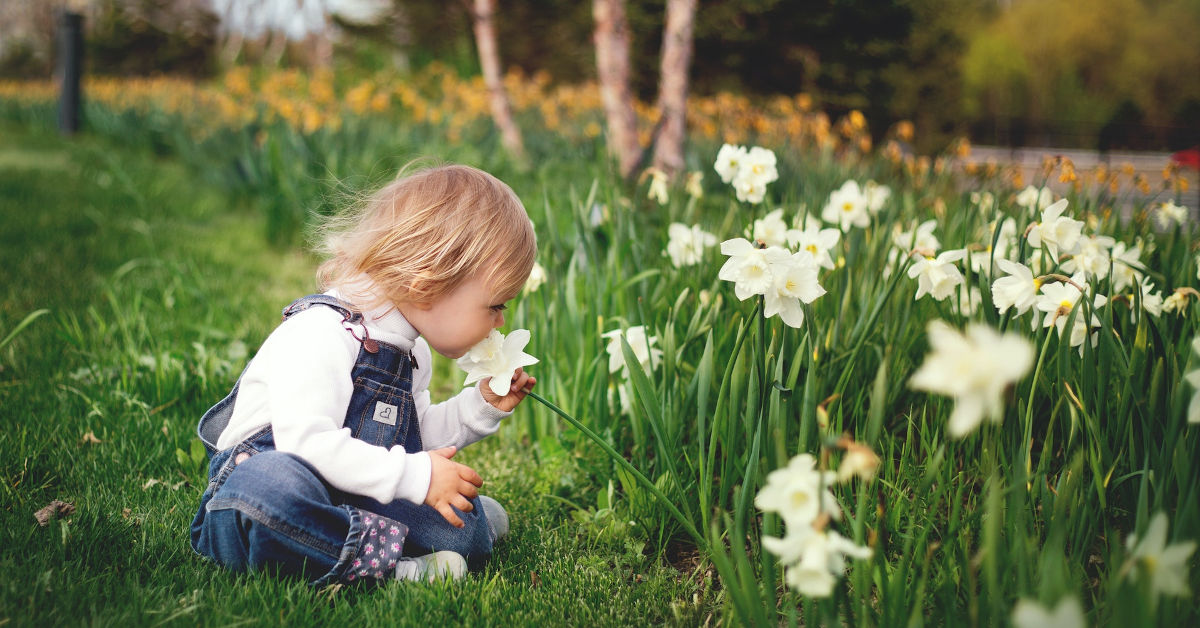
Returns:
(300, 384)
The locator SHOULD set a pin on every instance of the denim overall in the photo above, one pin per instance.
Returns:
(266, 508)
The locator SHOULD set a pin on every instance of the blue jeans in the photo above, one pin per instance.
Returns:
(266, 508)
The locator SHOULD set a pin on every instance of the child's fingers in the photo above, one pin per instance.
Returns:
(445, 452)
(448, 514)
(469, 474)
(522, 382)
(462, 503)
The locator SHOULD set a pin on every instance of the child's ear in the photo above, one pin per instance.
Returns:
(416, 287)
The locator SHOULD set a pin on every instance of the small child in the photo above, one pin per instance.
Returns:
(328, 459)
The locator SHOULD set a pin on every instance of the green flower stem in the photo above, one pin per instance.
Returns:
(1027, 443)
(619, 459)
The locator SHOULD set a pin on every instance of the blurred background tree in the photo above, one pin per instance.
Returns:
(1103, 74)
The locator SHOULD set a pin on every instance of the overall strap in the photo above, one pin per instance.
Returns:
(303, 303)
(349, 316)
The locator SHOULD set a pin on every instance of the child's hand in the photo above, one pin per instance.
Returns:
(451, 484)
(521, 384)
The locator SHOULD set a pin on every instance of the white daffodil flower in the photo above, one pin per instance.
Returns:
(1068, 613)
(729, 162)
(1034, 199)
(1017, 289)
(1058, 233)
(937, 276)
(817, 241)
(497, 357)
(1169, 214)
(658, 191)
(1126, 265)
(919, 238)
(760, 165)
(694, 184)
(847, 207)
(799, 492)
(619, 398)
(795, 280)
(813, 559)
(877, 196)
(685, 245)
(981, 261)
(969, 300)
(771, 229)
(1092, 258)
(749, 189)
(746, 267)
(643, 348)
(859, 461)
(1152, 301)
(537, 277)
(983, 201)
(974, 369)
(1177, 303)
(1057, 300)
(1193, 378)
(749, 171)
(1166, 566)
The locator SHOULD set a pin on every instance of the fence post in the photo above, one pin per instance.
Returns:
(70, 68)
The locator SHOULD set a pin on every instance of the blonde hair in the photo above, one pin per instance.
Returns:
(420, 236)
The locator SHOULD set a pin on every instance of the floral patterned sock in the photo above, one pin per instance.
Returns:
(380, 548)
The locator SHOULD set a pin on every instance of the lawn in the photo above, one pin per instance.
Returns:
(817, 380)
(157, 288)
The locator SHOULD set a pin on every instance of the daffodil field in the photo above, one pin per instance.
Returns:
(867, 387)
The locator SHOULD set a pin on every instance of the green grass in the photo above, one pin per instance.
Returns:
(164, 299)
(158, 289)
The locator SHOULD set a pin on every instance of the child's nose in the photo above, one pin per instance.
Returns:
(499, 320)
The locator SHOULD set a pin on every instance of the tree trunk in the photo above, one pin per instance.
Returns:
(489, 61)
(673, 86)
(321, 47)
(612, 70)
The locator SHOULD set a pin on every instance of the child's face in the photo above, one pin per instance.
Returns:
(460, 319)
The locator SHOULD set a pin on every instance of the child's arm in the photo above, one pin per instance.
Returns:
(464, 418)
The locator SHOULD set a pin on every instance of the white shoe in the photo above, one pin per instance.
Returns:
(496, 517)
(430, 567)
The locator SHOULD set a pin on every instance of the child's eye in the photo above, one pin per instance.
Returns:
(498, 308)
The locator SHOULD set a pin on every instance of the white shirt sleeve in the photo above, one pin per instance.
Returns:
(304, 368)
(458, 421)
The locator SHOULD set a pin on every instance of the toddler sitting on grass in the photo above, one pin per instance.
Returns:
(328, 459)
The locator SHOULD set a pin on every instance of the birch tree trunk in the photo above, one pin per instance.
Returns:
(612, 70)
(489, 61)
(673, 86)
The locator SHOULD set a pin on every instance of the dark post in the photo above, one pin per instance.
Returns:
(70, 68)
